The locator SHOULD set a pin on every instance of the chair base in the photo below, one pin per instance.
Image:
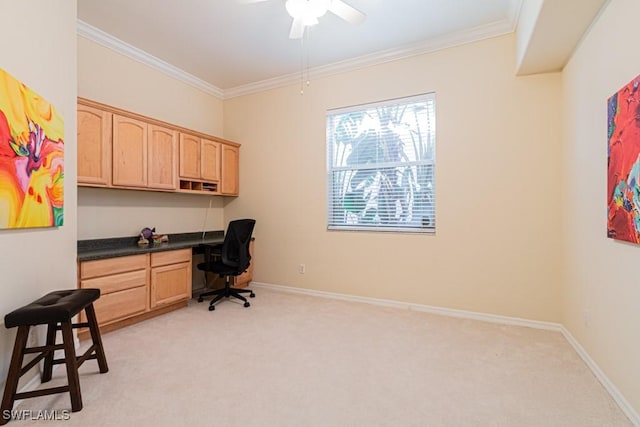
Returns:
(226, 292)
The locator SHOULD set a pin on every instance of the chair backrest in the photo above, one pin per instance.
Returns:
(235, 248)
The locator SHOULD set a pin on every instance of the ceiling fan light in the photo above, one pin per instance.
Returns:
(310, 20)
(296, 8)
(318, 8)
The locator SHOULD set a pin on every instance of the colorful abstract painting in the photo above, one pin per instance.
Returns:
(623, 183)
(31, 158)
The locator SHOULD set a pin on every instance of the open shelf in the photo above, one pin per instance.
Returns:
(199, 187)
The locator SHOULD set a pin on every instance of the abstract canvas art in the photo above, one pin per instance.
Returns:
(623, 170)
(31, 158)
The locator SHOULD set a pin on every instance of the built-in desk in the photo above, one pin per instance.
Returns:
(123, 246)
(137, 282)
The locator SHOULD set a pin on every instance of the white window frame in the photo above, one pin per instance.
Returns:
(427, 162)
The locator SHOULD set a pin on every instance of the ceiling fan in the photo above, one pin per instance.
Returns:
(305, 13)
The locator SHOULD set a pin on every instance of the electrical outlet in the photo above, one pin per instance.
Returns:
(302, 268)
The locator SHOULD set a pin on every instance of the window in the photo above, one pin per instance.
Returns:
(381, 160)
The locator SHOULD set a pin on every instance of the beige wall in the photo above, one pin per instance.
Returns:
(601, 294)
(38, 45)
(114, 79)
(117, 213)
(496, 249)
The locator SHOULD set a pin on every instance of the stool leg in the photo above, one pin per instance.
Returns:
(11, 386)
(95, 337)
(48, 359)
(72, 366)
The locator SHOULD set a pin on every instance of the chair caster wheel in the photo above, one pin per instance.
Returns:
(246, 304)
(212, 307)
(200, 299)
(252, 295)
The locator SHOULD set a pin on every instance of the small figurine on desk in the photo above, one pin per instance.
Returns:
(160, 238)
(142, 241)
(146, 235)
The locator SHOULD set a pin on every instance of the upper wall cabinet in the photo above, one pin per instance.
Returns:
(162, 159)
(120, 149)
(230, 170)
(210, 160)
(199, 164)
(189, 156)
(129, 152)
(94, 149)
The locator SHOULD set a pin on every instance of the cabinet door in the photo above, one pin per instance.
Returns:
(230, 169)
(189, 156)
(94, 146)
(162, 158)
(170, 283)
(129, 152)
(210, 160)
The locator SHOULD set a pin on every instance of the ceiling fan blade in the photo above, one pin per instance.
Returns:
(297, 29)
(347, 12)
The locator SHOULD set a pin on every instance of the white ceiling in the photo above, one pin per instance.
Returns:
(232, 45)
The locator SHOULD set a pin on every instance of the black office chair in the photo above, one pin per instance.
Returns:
(230, 259)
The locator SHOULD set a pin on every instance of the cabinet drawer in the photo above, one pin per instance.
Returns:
(170, 257)
(116, 282)
(122, 304)
(102, 267)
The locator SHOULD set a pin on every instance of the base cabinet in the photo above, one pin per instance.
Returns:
(136, 287)
(170, 277)
(120, 305)
(122, 283)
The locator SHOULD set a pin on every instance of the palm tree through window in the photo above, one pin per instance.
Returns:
(381, 160)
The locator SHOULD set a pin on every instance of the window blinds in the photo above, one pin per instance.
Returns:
(381, 166)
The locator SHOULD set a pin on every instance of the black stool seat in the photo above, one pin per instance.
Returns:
(57, 306)
(56, 309)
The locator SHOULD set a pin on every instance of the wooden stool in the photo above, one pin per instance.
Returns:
(56, 310)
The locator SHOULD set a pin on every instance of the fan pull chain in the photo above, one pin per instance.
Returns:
(307, 51)
(304, 61)
(302, 65)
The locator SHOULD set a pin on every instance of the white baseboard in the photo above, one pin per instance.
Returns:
(493, 318)
(624, 405)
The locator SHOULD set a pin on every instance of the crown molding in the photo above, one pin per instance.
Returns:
(483, 32)
(513, 14)
(458, 38)
(107, 40)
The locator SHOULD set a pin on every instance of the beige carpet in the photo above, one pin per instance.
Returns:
(296, 360)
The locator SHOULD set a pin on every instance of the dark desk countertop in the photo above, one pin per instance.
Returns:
(123, 246)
